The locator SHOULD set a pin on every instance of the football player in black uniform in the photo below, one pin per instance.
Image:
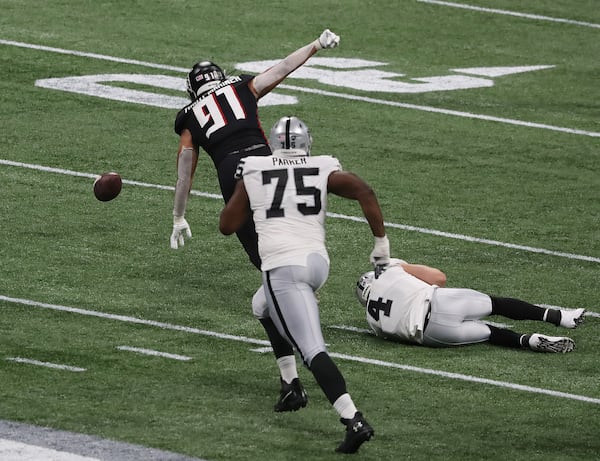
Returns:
(222, 119)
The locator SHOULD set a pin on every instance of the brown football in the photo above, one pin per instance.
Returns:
(107, 186)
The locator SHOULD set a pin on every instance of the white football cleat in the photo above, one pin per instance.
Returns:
(543, 343)
(571, 318)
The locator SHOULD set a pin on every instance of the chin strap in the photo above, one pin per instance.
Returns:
(366, 292)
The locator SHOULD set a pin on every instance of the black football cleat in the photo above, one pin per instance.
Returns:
(292, 396)
(358, 431)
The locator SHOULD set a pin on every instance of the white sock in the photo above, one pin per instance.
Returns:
(287, 368)
(524, 340)
(345, 406)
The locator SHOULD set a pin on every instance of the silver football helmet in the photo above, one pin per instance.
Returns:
(291, 137)
(363, 287)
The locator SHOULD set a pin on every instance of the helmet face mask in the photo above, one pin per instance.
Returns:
(291, 137)
(203, 77)
(363, 287)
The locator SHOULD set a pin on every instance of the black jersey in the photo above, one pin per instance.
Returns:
(225, 121)
(225, 124)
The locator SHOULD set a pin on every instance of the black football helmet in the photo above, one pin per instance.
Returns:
(203, 77)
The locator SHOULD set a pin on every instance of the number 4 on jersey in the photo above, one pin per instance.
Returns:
(374, 308)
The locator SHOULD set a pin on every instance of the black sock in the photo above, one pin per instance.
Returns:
(506, 338)
(328, 376)
(280, 346)
(553, 316)
(516, 309)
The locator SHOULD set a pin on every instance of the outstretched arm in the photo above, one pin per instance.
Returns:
(237, 211)
(264, 82)
(349, 185)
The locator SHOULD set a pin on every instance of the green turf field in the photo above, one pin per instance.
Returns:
(480, 135)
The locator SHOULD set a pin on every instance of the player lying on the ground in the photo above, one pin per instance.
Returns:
(409, 302)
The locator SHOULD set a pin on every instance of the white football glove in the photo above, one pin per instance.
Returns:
(181, 229)
(328, 39)
(380, 256)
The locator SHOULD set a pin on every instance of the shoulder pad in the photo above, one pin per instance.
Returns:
(397, 262)
(333, 161)
(181, 119)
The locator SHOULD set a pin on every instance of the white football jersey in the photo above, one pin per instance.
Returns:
(397, 305)
(288, 198)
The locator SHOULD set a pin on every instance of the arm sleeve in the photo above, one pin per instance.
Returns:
(270, 78)
(184, 181)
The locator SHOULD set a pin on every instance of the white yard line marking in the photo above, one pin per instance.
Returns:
(511, 13)
(329, 214)
(354, 329)
(473, 379)
(244, 339)
(492, 242)
(11, 450)
(315, 91)
(262, 350)
(127, 319)
(44, 364)
(471, 239)
(28, 442)
(455, 113)
(48, 169)
(154, 353)
(102, 57)
(587, 313)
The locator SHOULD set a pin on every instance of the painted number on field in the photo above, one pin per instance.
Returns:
(356, 74)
